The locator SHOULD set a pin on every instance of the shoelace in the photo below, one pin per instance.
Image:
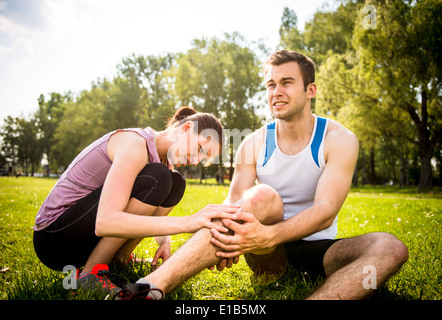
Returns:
(126, 294)
(103, 276)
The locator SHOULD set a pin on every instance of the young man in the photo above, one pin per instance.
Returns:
(304, 165)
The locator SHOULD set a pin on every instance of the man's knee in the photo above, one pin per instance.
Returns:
(264, 202)
(393, 248)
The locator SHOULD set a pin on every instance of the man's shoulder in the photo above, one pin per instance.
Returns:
(339, 137)
(337, 130)
(248, 151)
(256, 137)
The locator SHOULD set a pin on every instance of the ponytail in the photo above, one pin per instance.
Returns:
(181, 114)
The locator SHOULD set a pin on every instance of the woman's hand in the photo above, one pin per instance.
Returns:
(225, 263)
(163, 252)
(203, 218)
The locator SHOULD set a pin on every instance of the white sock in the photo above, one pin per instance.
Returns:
(154, 294)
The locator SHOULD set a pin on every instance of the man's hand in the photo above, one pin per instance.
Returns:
(249, 236)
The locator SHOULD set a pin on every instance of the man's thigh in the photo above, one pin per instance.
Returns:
(304, 256)
(308, 256)
(272, 264)
(349, 250)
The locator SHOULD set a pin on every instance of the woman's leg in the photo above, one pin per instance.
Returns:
(157, 199)
(109, 248)
(71, 239)
(135, 206)
(123, 254)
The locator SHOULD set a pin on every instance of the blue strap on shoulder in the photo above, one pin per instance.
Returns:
(270, 142)
(317, 140)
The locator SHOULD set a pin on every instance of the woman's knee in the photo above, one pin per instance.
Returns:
(177, 191)
(153, 184)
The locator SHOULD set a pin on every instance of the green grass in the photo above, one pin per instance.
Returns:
(413, 217)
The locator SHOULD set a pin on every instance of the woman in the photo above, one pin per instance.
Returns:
(117, 192)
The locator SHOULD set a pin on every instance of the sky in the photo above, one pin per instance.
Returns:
(65, 45)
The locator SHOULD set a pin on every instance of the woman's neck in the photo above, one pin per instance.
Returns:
(162, 142)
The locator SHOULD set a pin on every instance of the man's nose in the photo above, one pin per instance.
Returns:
(278, 91)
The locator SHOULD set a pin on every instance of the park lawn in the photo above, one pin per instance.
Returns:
(413, 217)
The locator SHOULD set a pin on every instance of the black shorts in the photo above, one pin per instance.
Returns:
(70, 239)
(305, 256)
(308, 256)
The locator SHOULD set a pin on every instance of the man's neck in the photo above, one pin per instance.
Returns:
(295, 134)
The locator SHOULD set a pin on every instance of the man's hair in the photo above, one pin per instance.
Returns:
(305, 63)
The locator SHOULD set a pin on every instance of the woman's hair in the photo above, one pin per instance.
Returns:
(204, 121)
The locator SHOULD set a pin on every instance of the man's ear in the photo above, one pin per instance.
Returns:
(311, 90)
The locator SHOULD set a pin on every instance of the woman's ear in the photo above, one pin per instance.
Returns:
(187, 126)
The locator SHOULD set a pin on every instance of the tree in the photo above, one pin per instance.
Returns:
(29, 147)
(152, 82)
(20, 143)
(330, 31)
(48, 116)
(381, 79)
(404, 55)
(82, 123)
(290, 37)
(147, 81)
(138, 96)
(9, 138)
(221, 77)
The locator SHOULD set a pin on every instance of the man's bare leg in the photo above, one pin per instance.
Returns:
(355, 267)
(198, 253)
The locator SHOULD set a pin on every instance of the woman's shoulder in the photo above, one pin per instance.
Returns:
(125, 141)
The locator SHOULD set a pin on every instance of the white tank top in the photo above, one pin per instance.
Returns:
(295, 177)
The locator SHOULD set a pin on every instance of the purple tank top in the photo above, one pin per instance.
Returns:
(85, 174)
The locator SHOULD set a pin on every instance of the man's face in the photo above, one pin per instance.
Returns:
(285, 90)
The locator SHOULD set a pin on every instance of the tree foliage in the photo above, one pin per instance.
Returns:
(378, 72)
(219, 76)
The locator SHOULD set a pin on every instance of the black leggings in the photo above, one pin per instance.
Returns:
(70, 239)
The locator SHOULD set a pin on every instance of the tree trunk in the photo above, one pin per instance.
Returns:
(426, 178)
(426, 147)
(372, 167)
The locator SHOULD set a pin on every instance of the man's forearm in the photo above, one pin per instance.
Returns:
(301, 225)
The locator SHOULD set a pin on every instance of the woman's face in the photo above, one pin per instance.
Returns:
(190, 148)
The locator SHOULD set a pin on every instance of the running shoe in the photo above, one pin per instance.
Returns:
(98, 278)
